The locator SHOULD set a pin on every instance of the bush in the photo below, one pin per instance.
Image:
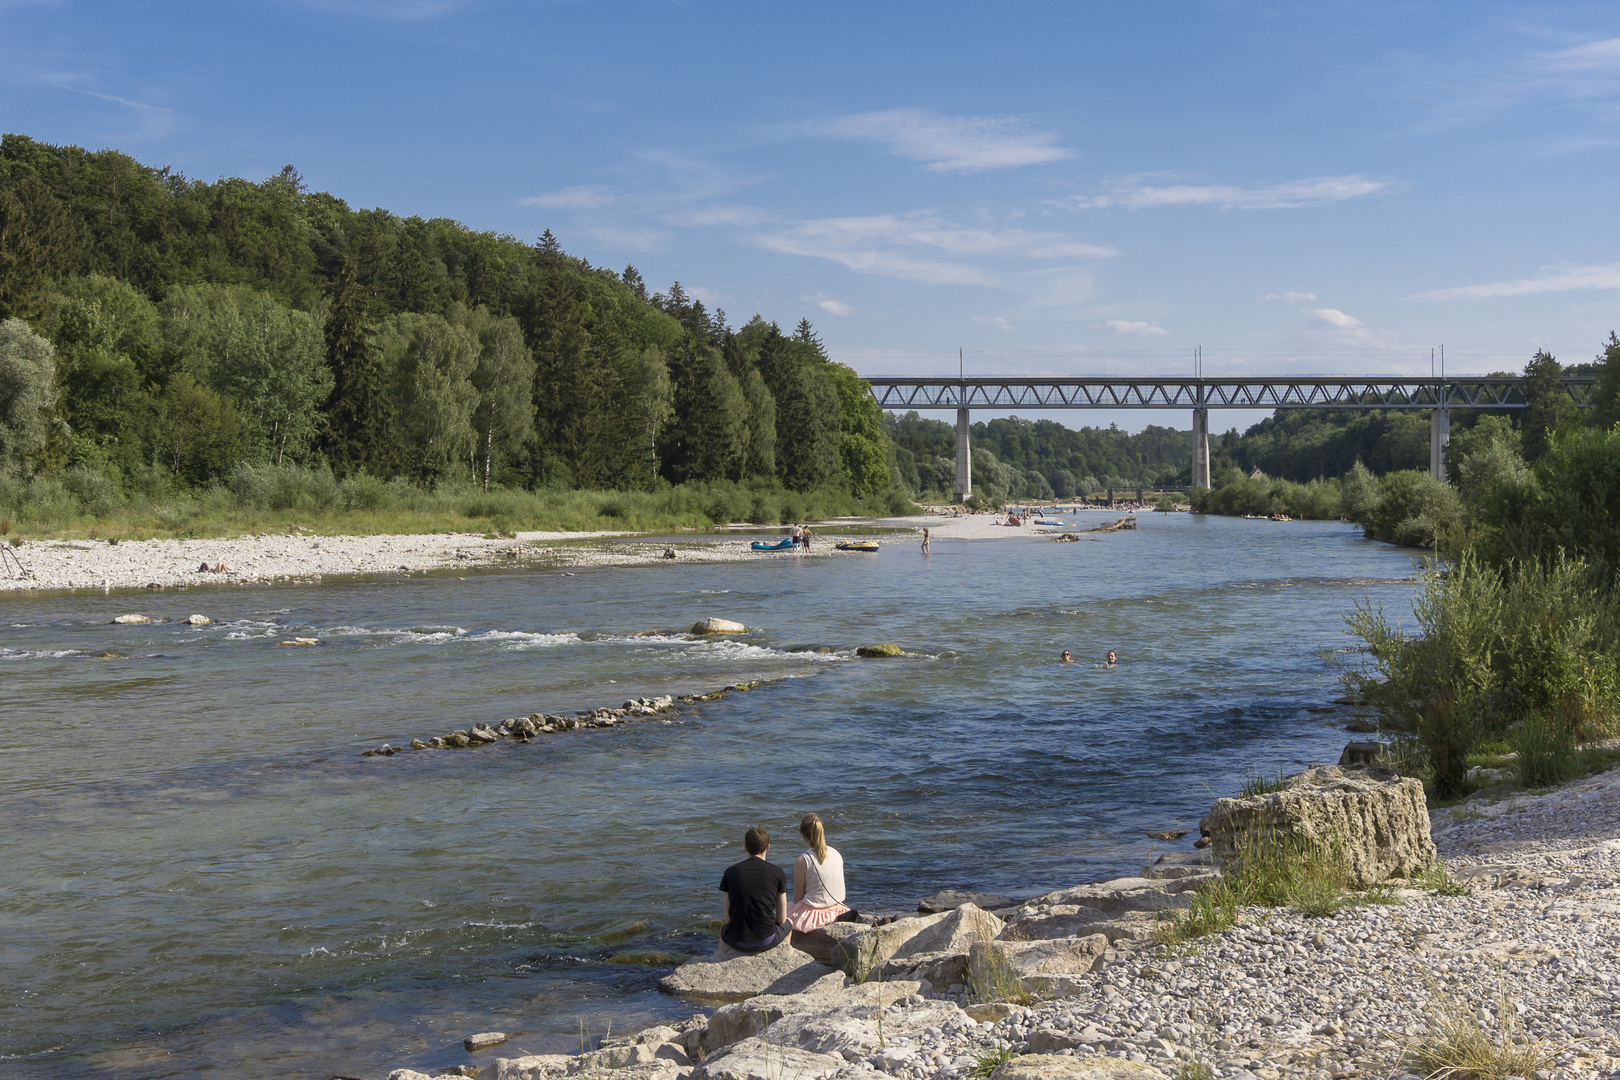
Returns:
(363, 491)
(97, 494)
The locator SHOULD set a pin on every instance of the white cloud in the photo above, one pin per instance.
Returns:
(996, 321)
(1570, 280)
(947, 143)
(721, 215)
(588, 197)
(1291, 297)
(1127, 328)
(1316, 191)
(1592, 56)
(835, 307)
(920, 246)
(1335, 318)
(630, 238)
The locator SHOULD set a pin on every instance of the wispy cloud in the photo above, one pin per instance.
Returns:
(1291, 297)
(1292, 195)
(835, 307)
(921, 246)
(996, 321)
(631, 238)
(588, 197)
(1335, 318)
(1592, 56)
(1572, 279)
(947, 143)
(155, 120)
(1126, 328)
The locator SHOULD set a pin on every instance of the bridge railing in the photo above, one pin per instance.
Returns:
(1236, 392)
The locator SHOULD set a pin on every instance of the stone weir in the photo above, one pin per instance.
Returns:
(525, 728)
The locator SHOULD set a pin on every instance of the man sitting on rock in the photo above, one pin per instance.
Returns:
(754, 898)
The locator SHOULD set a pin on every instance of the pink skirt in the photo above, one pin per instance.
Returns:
(806, 917)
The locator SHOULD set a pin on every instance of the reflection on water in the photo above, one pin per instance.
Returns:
(204, 877)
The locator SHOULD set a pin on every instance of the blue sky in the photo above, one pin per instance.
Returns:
(1055, 188)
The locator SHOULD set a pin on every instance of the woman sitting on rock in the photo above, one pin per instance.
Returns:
(818, 881)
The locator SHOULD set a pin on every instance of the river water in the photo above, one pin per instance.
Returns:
(201, 876)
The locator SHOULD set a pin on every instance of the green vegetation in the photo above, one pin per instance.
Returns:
(992, 978)
(990, 1059)
(1272, 870)
(1454, 1044)
(162, 338)
(1517, 642)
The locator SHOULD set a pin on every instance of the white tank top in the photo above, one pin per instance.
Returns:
(824, 884)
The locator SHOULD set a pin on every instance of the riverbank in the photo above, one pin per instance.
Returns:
(1521, 943)
(260, 558)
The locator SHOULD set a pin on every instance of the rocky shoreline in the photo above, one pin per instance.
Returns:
(1522, 939)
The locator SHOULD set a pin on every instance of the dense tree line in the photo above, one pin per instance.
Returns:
(156, 322)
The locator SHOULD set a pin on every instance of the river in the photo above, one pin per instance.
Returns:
(202, 876)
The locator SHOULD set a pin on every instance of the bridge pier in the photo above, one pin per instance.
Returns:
(1200, 452)
(964, 460)
(1439, 436)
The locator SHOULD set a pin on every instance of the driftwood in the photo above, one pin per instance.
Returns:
(1128, 522)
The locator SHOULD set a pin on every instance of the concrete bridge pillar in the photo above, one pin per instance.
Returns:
(1439, 436)
(964, 459)
(1200, 453)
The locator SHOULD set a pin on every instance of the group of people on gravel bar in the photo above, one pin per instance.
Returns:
(755, 911)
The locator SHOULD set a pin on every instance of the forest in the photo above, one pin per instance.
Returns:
(165, 335)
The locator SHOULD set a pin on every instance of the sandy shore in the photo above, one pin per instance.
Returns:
(136, 564)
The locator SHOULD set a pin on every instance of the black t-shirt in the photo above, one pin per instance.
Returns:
(753, 885)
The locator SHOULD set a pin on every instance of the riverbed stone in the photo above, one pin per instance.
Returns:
(132, 620)
(1378, 822)
(199, 620)
(1073, 920)
(483, 1041)
(887, 648)
(834, 944)
(730, 976)
(1059, 1067)
(718, 626)
(950, 899)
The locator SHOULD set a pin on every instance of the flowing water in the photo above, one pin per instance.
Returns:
(202, 876)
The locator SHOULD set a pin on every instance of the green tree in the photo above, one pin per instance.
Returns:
(1546, 403)
(1604, 408)
(504, 379)
(27, 391)
(359, 429)
(199, 436)
(434, 395)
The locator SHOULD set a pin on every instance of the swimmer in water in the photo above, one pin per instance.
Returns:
(1065, 658)
(1112, 659)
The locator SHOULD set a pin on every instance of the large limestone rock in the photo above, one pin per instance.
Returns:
(718, 626)
(1058, 1067)
(938, 953)
(1037, 967)
(761, 1059)
(1064, 920)
(787, 1016)
(732, 976)
(833, 944)
(636, 1066)
(1378, 822)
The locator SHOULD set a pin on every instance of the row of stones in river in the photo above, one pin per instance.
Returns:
(524, 728)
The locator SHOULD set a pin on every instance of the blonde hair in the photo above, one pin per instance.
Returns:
(814, 835)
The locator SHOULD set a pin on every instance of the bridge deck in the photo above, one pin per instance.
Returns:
(1235, 392)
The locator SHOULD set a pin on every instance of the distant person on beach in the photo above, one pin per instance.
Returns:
(797, 534)
(818, 881)
(754, 898)
(1066, 658)
(925, 548)
(804, 538)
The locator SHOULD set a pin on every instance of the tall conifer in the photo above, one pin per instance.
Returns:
(359, 414)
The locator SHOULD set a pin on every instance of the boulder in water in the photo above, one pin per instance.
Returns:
(132, 620)
(888, 648)
(718, 626)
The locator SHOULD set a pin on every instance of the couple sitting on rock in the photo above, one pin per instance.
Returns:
(755, 910)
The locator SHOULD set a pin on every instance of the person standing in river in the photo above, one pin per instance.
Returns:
(818, 880)
(753, 903)
(925, 542)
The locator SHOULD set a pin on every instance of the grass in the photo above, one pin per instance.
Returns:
(87, 505)
(1437, 880)
(995, 980)
(1455, 1045)
(989, 1060)
(1197, 1069)
(1259, 784)
(1271, 871)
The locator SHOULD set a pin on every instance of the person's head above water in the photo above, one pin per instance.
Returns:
(1113, 658)
(1066, 658)
(815, 835)
(756, 841)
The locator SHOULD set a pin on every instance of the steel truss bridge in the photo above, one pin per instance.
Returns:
(1438, 395)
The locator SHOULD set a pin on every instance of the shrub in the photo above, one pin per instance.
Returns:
(95, 492)
(362, 491)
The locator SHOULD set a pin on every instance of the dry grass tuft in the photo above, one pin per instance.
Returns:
(1456, 1046)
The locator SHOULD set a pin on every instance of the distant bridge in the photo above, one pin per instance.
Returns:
(1437, 395)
